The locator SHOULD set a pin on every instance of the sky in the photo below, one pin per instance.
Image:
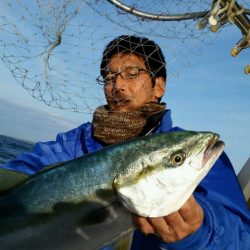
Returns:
(211, 93)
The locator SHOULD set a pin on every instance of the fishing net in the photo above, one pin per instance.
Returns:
(54, 48)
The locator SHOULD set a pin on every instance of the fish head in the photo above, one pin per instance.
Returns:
(164, 176)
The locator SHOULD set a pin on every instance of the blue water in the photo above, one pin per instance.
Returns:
(10, 148)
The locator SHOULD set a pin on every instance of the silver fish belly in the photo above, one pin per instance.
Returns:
(169, 176)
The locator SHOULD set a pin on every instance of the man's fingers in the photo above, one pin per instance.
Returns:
(192, 212)
(162, 229)
(175, 219)
(155, 225)
(174, 226)
(160, 225)
(179, 227)
(143, 224)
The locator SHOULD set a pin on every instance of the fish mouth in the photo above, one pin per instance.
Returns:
(213, 150)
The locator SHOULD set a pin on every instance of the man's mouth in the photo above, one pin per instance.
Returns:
(121, 100)
(120, 104)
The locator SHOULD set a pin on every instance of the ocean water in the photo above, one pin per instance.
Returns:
(10, 148)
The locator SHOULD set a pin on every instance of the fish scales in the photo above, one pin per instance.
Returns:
(65, 205)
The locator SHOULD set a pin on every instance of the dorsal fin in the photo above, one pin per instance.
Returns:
(10, 178)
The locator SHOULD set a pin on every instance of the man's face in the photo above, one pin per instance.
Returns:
(130, 94)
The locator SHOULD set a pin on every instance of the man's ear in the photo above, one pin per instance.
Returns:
(159, 88)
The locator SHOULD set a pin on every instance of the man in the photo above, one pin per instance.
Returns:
(133, 73)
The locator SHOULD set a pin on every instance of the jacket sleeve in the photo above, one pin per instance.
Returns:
(226, 224)
(66, 147)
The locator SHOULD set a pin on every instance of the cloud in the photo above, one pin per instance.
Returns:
(29, 123)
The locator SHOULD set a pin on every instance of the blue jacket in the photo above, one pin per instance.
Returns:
(226, 224)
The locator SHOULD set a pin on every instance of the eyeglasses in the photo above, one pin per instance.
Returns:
(127, 74)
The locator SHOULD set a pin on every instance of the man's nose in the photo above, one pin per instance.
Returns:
(119, 84)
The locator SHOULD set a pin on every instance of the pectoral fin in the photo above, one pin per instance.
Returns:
(113, 233)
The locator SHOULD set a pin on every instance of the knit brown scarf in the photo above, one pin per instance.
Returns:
(113, 127)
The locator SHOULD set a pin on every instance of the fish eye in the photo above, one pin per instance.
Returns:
(178, 158)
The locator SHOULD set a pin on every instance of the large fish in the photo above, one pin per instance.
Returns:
(73, 205)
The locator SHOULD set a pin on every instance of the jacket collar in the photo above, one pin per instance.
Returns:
(166, 123)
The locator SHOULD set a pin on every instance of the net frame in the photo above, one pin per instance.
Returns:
(131, 9)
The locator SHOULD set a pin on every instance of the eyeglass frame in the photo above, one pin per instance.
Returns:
(103, 82)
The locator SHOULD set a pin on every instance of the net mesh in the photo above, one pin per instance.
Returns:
(54, 48)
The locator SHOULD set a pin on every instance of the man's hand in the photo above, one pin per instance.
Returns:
(175, 226)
